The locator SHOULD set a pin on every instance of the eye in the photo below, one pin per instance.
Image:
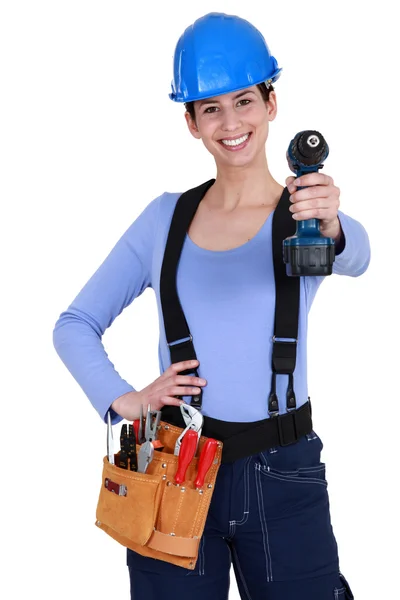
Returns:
(211, 109)
(246, 100)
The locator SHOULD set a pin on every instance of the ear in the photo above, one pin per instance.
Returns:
(272, 106)
(192, 126)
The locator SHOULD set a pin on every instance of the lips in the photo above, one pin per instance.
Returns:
(232, 147)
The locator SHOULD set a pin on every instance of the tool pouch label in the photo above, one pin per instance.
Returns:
(149, 513)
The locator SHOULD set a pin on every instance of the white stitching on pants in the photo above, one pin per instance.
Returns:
(246, 589)
(264, 460)
(309, 480)
(200, 560)
(201, 571)
(231, 529)
(263, 523)
(339, 592)
(246, 501)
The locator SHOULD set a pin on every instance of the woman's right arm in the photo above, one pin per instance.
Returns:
(77, 335)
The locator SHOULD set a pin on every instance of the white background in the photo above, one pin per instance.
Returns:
(88, 138)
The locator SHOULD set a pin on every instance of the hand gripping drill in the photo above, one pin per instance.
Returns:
(308, 252)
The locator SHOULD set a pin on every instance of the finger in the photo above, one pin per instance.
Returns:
(180, 366)
(302, 205)
(187, 380)
(314, 213)
(313, 179)
(316, 191)
(181, 390)
(176, 385)
(179, 381)
(289, 181)
(169, 401)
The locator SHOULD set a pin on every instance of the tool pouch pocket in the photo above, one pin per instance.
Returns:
(149, 513)
(128, 503)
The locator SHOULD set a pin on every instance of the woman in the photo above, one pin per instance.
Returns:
(269, 514)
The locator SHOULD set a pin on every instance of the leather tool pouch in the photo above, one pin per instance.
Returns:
(148, 512)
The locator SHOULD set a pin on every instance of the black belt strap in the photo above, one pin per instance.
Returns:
(244, 439)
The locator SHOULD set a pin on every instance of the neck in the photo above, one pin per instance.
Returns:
(246, 187)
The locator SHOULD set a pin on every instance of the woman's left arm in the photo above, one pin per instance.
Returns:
(321, 200)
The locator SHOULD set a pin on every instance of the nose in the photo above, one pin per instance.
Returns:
(230, 120)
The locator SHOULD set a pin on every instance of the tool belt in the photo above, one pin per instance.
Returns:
(148, 512)
(244, 439)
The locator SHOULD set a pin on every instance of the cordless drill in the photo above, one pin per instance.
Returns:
(308, 252)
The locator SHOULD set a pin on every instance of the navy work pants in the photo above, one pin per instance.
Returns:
(269, 517)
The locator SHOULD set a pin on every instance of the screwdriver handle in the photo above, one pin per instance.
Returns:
(186, 453)
(136, 424)
(206, 459)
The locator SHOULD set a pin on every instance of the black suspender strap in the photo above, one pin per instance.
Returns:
(287, 304)
(281, 429)
(179, 338)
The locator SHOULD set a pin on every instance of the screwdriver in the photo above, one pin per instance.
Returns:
(206, 459)
(186, 453)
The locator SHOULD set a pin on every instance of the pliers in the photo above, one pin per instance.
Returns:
(128, 448)
(146, 451)
(193, 420)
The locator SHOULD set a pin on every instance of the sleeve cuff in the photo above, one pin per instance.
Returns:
(103, 410)
(341, 244)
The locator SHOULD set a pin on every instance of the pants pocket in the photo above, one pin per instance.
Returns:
(299, 462)
(301, 475)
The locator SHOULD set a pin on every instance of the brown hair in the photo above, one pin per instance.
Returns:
(265, 92)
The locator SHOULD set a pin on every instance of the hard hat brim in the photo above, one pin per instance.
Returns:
(181, 98)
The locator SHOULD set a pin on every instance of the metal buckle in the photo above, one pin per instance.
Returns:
(283, 340)
(181, 341)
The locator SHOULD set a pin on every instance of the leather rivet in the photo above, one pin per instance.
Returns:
(164, 477)
(209, 485)
(183, 489)
(166, 427)
(169, 483)
(164, 465)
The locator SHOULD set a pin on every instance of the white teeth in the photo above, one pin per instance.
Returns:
(237, 141)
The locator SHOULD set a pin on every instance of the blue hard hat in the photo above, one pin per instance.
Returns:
(219, 54)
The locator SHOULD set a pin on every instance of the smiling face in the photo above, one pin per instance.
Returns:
(234, 126)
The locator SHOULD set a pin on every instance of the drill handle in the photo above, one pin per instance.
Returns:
(309, 227)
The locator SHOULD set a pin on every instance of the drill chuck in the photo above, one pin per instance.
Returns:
(308, 252)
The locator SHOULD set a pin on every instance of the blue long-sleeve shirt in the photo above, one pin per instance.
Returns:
(228, 298)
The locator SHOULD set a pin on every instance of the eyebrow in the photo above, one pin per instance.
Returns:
(211, 101)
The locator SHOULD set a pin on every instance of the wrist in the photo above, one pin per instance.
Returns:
(121, 403)
(332, 230)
